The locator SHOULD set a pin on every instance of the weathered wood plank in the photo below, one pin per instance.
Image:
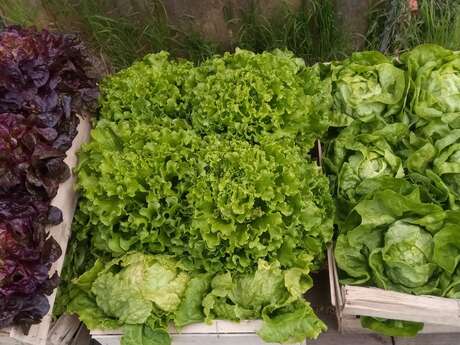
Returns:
(430, 339)
(395, 305)
(82, 337)
(64, 330)
(6, 340)
(199, 339)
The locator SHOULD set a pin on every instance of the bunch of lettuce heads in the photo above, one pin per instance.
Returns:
(199, 200)
(394, 162)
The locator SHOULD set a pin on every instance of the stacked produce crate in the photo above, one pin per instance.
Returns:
(394, 166)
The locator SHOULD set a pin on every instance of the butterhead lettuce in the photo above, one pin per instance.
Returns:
(144, 292)
(365, 87)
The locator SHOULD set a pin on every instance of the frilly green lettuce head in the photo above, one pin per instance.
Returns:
(393, 240)
(152, 87)
(259, 201)
(216, 203)
(250, 95)
(366, 86)
(243, 94)
(435, 81)
(133, 178)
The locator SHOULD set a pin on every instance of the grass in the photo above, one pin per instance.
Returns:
(17, 12)
(119, 35)
(310, 33)
(394, 28)
(123, 35)
(122, 31)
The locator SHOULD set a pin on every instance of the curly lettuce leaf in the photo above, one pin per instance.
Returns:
(150, 88)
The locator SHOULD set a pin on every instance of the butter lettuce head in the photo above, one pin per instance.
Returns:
(365, 87)
(361, 155)
(394, 241)
(271, 293)
(435, 108)
(435, 81)
(143, 293)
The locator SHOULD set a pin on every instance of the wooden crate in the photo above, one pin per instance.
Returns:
(440, 315)
(66, 201)
(220, 332)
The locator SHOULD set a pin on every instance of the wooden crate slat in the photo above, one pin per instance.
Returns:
(396, 305)
(332, 279)
(65, 200)
(64, 330)
(199, 339)
(82, 337)
(216, 327)
(429, 339)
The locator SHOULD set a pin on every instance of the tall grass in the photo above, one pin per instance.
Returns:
(310, 33)
(121, 31)
(120, 36)
(20, 12)
(394, 28)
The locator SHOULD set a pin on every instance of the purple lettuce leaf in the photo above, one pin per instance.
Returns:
(45, 82)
